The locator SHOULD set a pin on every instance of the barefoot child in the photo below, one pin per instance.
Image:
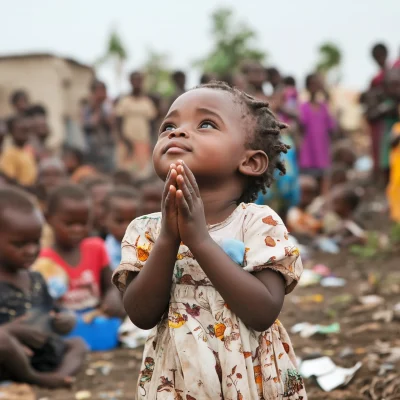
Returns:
(210, 272)
(31, 350)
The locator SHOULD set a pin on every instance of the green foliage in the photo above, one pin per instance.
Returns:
(232, 44)
(330, 57)
(114, 49)
(395, 234)
(158, 74)
(370, 249)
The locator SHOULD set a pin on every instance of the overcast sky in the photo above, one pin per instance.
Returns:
(289, 30)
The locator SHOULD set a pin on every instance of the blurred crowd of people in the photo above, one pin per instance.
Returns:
(64, 213)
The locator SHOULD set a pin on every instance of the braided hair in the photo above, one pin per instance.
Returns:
(265, 136)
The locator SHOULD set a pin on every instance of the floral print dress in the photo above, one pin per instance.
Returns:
(200, 349)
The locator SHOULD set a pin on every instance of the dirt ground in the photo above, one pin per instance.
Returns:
(362, 338)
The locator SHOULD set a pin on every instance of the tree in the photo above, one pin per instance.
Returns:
(233, 44)
(158, 74)
(330, 58)
(115, 52)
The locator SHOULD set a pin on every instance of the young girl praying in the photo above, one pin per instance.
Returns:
(210, 272)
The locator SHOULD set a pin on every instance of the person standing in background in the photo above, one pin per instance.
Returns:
(179, 80)
(98, 123)
(317, 126)
(134, 115)
(19, 101)
(372, 100)
(17, 162)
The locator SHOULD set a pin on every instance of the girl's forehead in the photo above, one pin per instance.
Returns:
(216, 100)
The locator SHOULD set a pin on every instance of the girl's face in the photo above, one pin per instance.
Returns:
(206, 129)
(70, 222)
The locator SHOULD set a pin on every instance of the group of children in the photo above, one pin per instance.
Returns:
(57, 253)
(200, 275)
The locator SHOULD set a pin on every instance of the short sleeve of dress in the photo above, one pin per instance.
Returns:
(268, 246)
(136, 246)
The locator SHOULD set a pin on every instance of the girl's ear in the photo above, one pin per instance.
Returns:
(255, 163)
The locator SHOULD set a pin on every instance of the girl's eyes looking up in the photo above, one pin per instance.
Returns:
(203, 125)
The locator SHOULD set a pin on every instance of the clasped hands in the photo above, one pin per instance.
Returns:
(182, 208)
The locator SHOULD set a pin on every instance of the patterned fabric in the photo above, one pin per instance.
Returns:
(201, 350)
(14, 302)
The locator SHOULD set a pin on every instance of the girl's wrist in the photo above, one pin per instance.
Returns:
(167, 239)
(198, 245)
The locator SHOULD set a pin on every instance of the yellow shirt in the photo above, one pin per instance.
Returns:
(19, 164)
(137, 113)
(393, 190)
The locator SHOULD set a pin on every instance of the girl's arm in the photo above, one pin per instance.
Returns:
(257, 298)
(147, 294)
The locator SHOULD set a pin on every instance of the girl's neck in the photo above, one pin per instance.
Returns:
(218, 204)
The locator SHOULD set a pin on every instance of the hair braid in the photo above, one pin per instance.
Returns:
(265, 136)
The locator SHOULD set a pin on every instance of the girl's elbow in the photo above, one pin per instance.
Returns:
(262, 324)
(143, 324)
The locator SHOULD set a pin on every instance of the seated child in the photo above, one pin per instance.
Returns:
(338, 222)
(393, 190)
(51, 173)
(98, 187)
(121, 209)
(299, 220)
(31, 348)
(41, 132)
(150, 197)
(123, 177)
(76, 265)
(17, 162)
(337, 175)
(76, 169)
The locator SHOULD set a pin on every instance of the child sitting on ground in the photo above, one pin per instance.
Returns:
(17, 162)
(77, 267)
(337, 175)
(299, 221)
(150, 196)
(51, 173)
(31, 349)
(41, 132)
(339, 222)
(98, 188)
(76, 169)
(121, 208)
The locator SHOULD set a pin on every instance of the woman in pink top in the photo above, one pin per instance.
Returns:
(317, 126)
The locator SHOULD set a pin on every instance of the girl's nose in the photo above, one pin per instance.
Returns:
(178, 132)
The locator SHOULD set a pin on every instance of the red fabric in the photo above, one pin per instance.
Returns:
(376, 129)
(378, 78)
(84, 286)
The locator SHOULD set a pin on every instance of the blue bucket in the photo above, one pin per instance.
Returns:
(101, 334)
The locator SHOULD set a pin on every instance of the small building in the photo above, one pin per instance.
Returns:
(59, 84)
